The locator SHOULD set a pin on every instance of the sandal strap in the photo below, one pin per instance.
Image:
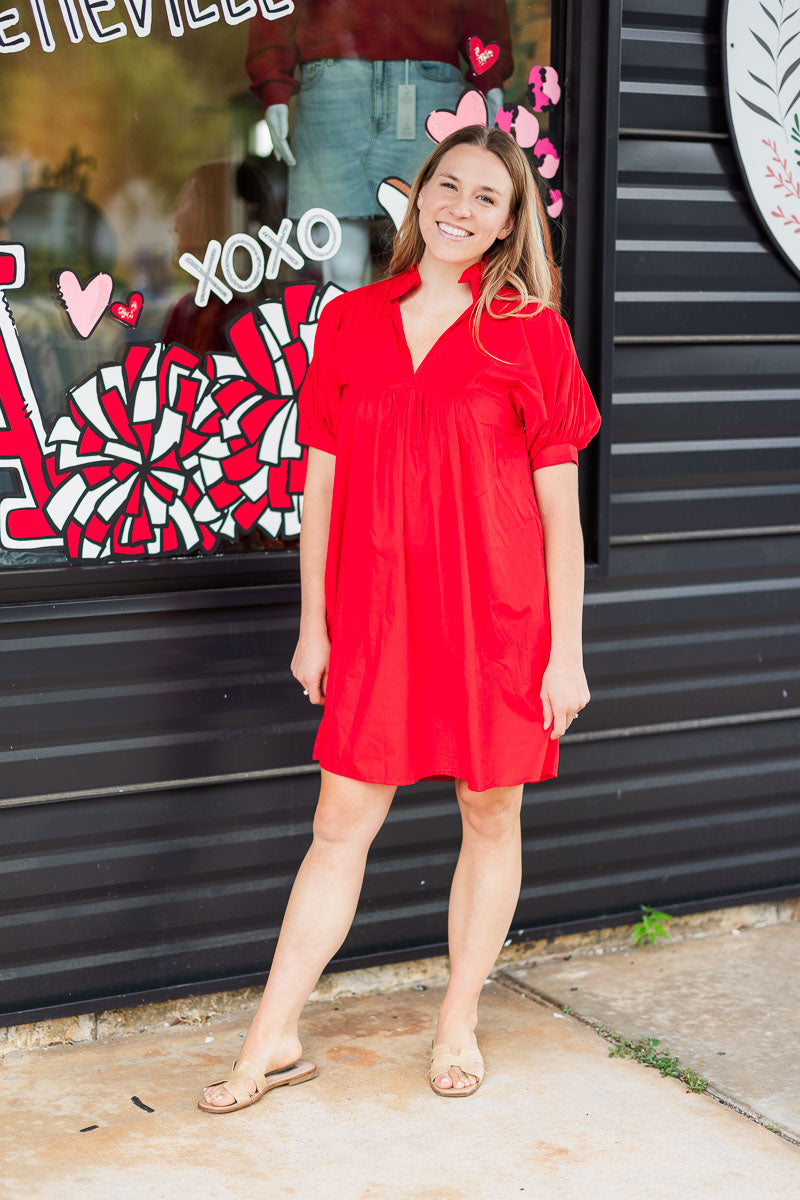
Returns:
(443, 1058)
(237, 1082)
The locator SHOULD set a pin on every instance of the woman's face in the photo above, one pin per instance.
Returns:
(465, 205)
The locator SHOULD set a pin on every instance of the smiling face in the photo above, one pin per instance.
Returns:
(465, 205)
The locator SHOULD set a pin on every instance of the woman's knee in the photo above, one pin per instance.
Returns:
(491, 813)
(350, 810)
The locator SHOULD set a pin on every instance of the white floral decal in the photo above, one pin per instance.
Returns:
(762, 77)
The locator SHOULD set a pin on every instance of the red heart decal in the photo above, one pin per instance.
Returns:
(128, 313)
(482, 57)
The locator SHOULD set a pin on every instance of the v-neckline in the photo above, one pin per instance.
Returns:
(398, 314)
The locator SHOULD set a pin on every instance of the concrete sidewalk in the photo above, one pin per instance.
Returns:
(555, 1116)
(727, 1005)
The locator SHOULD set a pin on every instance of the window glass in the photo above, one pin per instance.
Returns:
(180, 183)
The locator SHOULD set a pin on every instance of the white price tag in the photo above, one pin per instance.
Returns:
(406, 112)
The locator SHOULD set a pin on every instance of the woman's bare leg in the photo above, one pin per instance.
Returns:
(318, 916)
(483, 897)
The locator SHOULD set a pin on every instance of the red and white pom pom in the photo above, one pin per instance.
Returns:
(120, 453)
(248, 458)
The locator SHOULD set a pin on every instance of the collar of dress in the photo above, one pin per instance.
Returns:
(406, 280)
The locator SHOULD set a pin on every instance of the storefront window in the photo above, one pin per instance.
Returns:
(181, 185)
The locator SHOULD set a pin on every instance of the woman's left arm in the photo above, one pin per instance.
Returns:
(564, 687)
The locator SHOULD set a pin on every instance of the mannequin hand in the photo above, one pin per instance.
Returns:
(277, 118)
(564, 693)
(494, 102)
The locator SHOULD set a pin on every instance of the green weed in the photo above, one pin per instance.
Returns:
(648, 1051)
(651, 925)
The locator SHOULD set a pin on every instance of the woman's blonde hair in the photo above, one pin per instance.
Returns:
(521, 263)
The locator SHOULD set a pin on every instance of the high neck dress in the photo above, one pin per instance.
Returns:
(435, 587)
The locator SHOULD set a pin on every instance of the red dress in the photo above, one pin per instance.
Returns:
(435, 586)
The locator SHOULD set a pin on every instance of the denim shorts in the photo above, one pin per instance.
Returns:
(345, 130)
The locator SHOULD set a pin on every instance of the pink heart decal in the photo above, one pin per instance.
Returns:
(471, 111)
(129, 312)
(544, 90)
(517, 121)
(85, 305)
(556, 203)
(482, 57)
(548, 156)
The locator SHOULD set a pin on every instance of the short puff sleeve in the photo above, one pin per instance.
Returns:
(558, 407)
(320, 395)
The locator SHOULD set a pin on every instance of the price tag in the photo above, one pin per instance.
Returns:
(406, 112)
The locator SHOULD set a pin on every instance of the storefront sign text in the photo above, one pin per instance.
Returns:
(79, 17)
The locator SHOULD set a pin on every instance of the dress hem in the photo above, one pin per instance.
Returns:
(452, 774)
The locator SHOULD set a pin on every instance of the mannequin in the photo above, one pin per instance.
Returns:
(370, 72)
(350, 266)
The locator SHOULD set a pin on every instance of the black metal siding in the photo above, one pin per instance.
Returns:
(187, 887)
(179, 745)
(111, 694)
(694, 638)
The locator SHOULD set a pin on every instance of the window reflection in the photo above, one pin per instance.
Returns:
(141, 149)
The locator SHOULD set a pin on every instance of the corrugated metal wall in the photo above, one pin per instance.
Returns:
(693, 639)
(157, 789)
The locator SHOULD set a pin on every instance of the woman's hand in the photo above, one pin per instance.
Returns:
(564, 693)
(310, 664)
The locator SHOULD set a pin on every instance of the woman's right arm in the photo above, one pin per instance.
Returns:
(310, 662)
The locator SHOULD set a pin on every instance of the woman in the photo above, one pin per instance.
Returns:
(442, 578)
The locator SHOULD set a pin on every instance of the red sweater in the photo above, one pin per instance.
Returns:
(375, 30)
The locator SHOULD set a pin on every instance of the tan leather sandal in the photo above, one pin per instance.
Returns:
(442, 1058)
(236, 1084)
